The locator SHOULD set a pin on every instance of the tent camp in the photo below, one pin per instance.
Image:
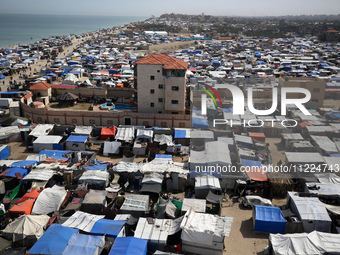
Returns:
(94, 201)
(196, 205)
(125, 134)
(129, 245)
(49, 142)
(111, 148)
(268, 219)
(42, 130)
(305, 243)
(136, 205)
(53, 241)
(25, 204)
(95, 178)
(76, 143)
(49, 200)
(84, 245)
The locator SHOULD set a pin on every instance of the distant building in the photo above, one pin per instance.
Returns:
(330, 36)
(42, 91)
(161, 84)
(316, 87)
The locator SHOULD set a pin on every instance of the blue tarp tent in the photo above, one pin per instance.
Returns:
(129, 245)
(10, 172)
(180, 133)
(101, 167)
(77, 138)
(200, 123)
(251, 163)
(54, 154)
(268, 219)
(24, 163)
(53, 241)
(4, 152)
(163, 156)
(80, 244)
(107, 227)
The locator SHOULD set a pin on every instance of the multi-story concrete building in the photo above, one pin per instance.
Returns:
(316, 87)
(161, 84)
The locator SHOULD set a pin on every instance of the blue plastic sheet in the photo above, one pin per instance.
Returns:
(129, 245)
(269, 219)
(107, 227)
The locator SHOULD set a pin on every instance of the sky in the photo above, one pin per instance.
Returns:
(146, 8)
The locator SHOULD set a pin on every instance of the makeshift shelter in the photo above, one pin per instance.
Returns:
(42, 130)
(39, 178)
(94, 201)
(196, 205)
(4, 152)
(111, 148)
(156, 232)
(300, 158)
(95, 179)
(76, 143)
(125, 134)
(204, 233)
(110, 228)
(310, 211)
(25, 204)
(49, 142)
(144, 135)
(164, 139)
(268, 219)
(53, 241)
(108, 133)
(136, 205)
(67, 99)
(4, 244)
(82, 130)
(129, 245)
(305, 243)
(289, 138)
(83, 221)
(324, 145)
(204, 183)
(49, 200)
(257, 136)
(26, 226)
(166, 209)
(80, 244)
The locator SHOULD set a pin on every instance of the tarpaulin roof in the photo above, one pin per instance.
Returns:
(54, 154)
(33, 194)
(84, 245)
(4, 152)
(129, 245)
(269, 219)
(23, 207)
(97, 167)
(24, 163)
(53, 241)
(251, 163)
(77, 138)
(39, 175)
(108, 132)
(107, 227)
(82, 220)
(163, 156)
(180, 133)
(257, 174)
(213, 198)
(11, 172)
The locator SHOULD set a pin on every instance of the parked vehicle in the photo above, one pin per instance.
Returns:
(250, 201)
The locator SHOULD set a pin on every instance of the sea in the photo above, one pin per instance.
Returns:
(28, 28)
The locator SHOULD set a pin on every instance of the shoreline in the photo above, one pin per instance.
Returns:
(16, 45)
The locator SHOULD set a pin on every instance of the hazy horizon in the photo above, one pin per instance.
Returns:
(147, 8)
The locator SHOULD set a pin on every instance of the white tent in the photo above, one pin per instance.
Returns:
(303, 243)
(111, 148)
(95, 177)
(42, 130)
(25, 226)
(70, 79)
(204, 233)
(48, 142)
(125, 134)
(49, 200)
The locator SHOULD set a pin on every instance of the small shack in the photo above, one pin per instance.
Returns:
(268, 219)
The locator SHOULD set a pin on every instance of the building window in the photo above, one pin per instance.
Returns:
(160, 86)
(152, 105)
(160, 100)
(316, 90)
(174, 112)
(152, 91)
(110, 122)
(174, 101)
(163, 124)
(158, 71)
(39, 119)
(146, 123)
(152, 77)
(174, 88)
(92, 122)
(182, 125)
(74, 121)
